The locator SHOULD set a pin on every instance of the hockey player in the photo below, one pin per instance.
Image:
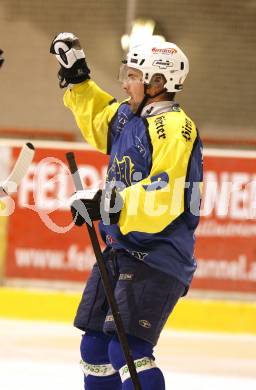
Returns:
(155, 165)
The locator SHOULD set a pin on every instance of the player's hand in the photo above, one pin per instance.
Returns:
(73, 67)
(1, 58)
(102, 205)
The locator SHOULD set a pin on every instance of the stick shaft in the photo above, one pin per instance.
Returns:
(105, 281)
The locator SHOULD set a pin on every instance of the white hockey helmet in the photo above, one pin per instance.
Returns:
(164, 58)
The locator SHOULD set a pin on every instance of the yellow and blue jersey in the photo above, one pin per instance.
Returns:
(156, 163)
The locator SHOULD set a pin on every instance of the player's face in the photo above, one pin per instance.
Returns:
(134, 87)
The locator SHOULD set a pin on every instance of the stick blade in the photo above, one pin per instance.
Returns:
(21, 166)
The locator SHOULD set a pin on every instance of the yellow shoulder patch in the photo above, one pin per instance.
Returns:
(172, 125)
(159, 198)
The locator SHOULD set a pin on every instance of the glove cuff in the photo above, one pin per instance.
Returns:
(75, 75)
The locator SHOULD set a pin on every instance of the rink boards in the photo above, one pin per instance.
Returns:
(39, 245)
(190, 314)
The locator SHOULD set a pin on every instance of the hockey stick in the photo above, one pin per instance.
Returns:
(105, 280)
(19, 170)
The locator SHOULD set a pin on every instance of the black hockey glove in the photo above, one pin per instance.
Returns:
(90, 206)
(1, 58)
(73, 67)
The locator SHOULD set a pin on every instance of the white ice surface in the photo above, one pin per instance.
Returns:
(45, 356)
(40, 375)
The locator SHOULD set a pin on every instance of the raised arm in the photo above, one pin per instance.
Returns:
(92, 108)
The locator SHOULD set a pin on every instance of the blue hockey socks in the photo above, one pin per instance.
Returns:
(111, 382)
(99, 373)
(150, 377)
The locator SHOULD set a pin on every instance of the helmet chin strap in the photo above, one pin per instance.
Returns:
(146, 98)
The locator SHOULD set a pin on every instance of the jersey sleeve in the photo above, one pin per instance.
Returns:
(156, 201)
(93, 110)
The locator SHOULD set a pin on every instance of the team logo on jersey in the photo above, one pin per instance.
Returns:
(120, 172)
